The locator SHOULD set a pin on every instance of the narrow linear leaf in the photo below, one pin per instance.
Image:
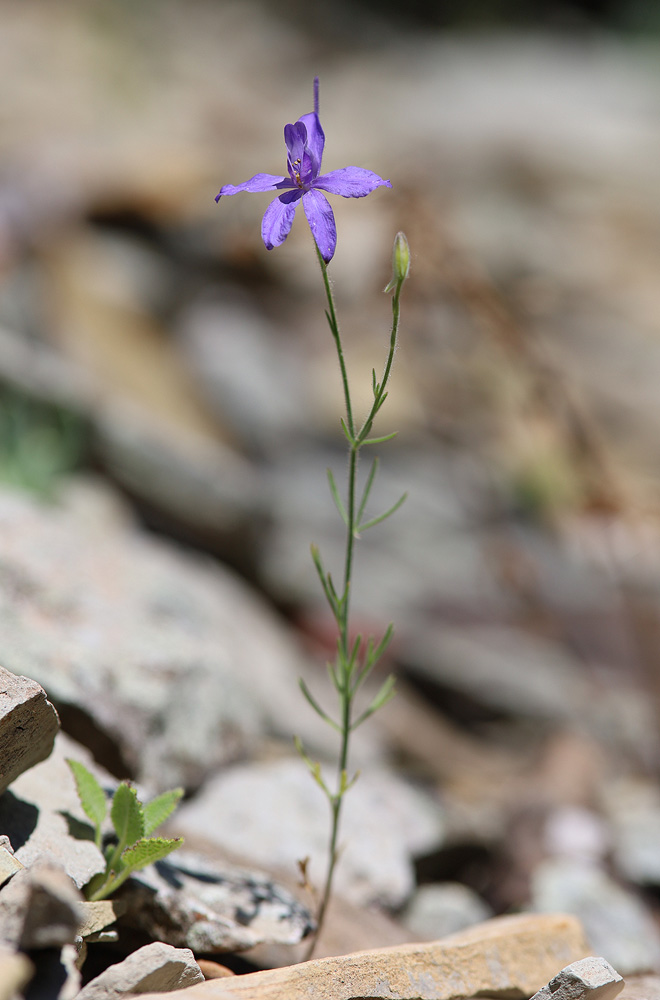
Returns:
(374, 383)
(383, 517)
(92, 797)
(347, 433)
(345, 784)
(385, 694)
(332, 674)
(313, 766)
(127, 816)
(335, 496)
(373, 656)
(381, 440)
(326, 582)
(157, 810)
(315, 705)
(367, 489)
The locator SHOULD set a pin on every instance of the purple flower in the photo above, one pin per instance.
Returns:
(304, 142)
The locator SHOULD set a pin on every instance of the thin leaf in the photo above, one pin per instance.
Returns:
(335, 496)
(157, 810)
(127, 816)
(373, 656)
(382, 517)
(385, 694)
(347, 433)
(313, 766)
(326, 581)
(367, 489)
(315, 705)
(92, 797)
(345, 784)
(380, 440)
(374, 383)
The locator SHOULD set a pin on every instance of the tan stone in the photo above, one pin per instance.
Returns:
(213, 970)
(96, 916)
(641, 988)
(28, 724)
(9, 865)
(15, 973)
(508, 955)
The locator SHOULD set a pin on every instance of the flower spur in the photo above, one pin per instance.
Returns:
(305, 141)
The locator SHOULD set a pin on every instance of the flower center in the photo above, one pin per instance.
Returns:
(295, 168)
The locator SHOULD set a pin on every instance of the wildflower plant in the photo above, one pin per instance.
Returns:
(133, 821)
(354, 660)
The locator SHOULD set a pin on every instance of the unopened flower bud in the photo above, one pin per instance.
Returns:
(400, 261)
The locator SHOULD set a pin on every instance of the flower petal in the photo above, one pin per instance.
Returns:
(322, 223)
(278, 218)
(351, 182)
(260, 182)
(315, 140)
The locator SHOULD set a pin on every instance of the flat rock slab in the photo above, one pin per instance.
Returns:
(28, 724)
(512, 956)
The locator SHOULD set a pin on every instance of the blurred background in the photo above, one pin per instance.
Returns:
(152, 351)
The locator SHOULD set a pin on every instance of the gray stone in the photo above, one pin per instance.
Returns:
(155, 968)
(182, 666)
(28, 724)
(273, 815)
(42, 808)
(503, 668)
(615, 920)
(189, 900)
(39, 908)
(589, 977)
(438, 910)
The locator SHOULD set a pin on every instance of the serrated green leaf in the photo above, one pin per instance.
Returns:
(92, 797)
(148, 850)
(157, 810)
(127, 816)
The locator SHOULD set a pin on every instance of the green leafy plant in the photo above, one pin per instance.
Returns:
(133, 847)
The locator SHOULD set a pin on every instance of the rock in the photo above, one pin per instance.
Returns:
(180, 669)
(53, 912)
(28, 724)
(41, 809)
(188, 900)
(512, 954)
(438, 910)
(274, 815)
(615, 920)
(95, 917)
(641, 988)
(213, 970)
(155, 968)
(15, 973)
(39, 908)
(504, 669)
(589, 977)
(9, 865)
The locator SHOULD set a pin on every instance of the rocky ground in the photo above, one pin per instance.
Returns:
(169, 404)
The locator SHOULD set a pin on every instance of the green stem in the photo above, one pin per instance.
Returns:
(347, 657)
